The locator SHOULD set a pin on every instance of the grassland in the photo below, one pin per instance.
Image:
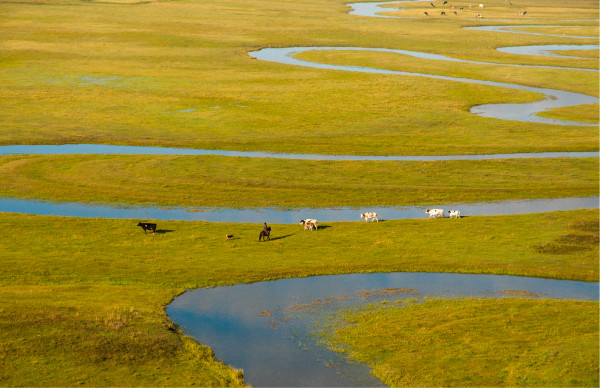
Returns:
(535, 342)
(82, 300)
(258, 182)
(176, 73)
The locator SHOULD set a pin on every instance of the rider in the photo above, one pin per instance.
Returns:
(266, 228)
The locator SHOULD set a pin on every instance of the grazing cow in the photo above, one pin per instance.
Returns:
(480, 5)
(147, 226)
(309, 224)
(454, 213)
(368, 215)
(426, 14)
(435, 213)
(229, 236)
(443, 13)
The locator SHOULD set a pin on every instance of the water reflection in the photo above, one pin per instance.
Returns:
(286, 216)
(274, 319)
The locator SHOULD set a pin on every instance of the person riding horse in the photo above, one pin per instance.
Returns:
(265, 233)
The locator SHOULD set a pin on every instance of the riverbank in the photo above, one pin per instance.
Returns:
(87, 296)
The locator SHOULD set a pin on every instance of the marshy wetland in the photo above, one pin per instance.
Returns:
(170, 105)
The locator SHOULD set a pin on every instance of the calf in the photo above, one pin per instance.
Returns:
(454, 213)
(148, 226)
(368, 215)
(435, 213)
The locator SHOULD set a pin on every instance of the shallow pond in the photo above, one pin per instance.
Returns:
(265, 328)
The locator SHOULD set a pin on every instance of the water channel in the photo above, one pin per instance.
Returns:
(265, 328)
(108, 149)
(284, 215)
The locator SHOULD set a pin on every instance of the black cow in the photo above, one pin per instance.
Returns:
(148, 226)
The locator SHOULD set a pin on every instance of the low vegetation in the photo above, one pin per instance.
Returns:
(82, 300)
(473, 342)
(260, 182)
(177, 73)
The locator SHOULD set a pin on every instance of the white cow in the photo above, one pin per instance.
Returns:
(309, 224)
(368, 215)
(435, 213)
(454, 213)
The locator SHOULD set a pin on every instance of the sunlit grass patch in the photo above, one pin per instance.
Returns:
(473, 342)
(588, 113)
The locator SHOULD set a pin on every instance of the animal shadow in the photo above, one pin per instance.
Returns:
(280, 237)
(163, 231)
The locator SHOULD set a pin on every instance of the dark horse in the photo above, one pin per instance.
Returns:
(264, 234)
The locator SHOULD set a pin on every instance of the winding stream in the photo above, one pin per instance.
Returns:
(525, 112)
(283, 215)
(107, 149)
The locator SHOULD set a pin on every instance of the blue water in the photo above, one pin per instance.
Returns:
(278, 349)
(108, 149)
(287, 216)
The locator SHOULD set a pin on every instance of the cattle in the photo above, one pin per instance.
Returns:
(309, 224)
(147, 226)
(435, 213)
(480, 5)
(368, 215)
(229, 236)
(454, 213)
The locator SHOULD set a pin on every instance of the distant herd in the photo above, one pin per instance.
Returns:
(312, 224)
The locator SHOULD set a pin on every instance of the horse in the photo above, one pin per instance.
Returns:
(264, 234)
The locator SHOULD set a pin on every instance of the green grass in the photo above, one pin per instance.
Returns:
(82, 300)
(177, 74)
(258, 182)
(473, 342)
